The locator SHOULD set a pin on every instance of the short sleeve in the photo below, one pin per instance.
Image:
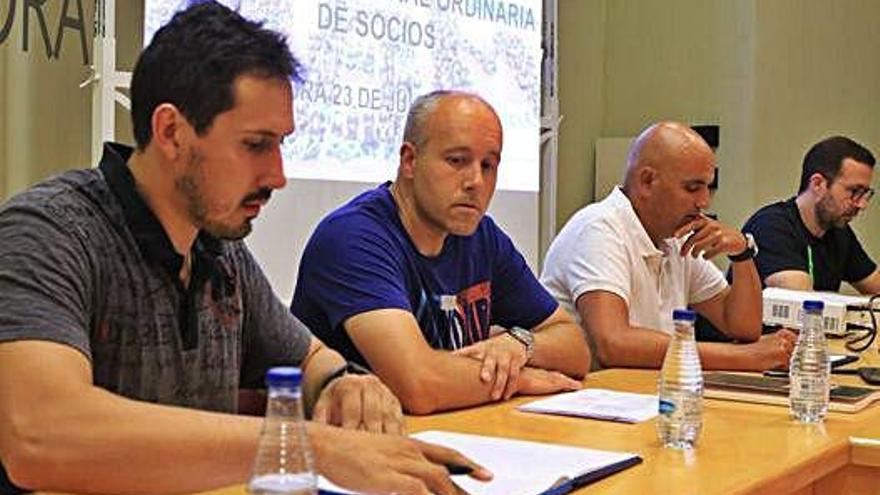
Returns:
(706, 280)
(351, 265)
(518, 299)
(46, 280)
(596, 261)
(858, 264)
(271, 336)
(780, 246)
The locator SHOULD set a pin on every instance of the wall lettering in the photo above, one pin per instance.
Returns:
(64, 22)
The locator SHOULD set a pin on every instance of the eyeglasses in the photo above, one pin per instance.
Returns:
(857, 194)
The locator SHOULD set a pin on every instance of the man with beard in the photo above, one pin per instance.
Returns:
(623, 264)
(410, 277)
(806, 241)
(132, 313)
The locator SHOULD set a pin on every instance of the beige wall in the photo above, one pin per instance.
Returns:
(45, 118)
(45, 124)
(818, 73)
(775, 75)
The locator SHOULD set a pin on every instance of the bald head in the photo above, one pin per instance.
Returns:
(665, 147)
(415, 130)
(667, 177)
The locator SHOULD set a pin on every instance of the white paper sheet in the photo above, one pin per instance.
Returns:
(598, 403)
(520, 467)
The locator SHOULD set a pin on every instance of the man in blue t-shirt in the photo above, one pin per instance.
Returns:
(411, 277)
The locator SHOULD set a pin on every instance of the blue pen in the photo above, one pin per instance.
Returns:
(567, 485)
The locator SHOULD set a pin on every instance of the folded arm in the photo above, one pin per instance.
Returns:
(560, 346)
(427, 380)
(789, 279)
(605, 318)
(869, 284)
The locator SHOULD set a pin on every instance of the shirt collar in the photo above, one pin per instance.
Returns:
(635, 231)
(150, 236)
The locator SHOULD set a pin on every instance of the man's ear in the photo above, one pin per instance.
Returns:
(169, 126)
(648, 176)
(407, 160)
(818, 183)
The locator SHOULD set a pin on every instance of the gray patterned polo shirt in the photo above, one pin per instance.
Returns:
(84, 262)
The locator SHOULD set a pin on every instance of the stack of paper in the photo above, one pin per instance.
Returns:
(513, 462)
(597, 403)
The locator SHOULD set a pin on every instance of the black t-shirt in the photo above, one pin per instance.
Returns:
(783, 238)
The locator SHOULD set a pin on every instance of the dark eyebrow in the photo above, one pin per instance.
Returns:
(262, 132)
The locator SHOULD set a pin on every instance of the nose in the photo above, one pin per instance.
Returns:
(704, 199)
(274, 177)
(473, 176)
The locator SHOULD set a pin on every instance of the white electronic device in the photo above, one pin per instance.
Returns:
(783, 307)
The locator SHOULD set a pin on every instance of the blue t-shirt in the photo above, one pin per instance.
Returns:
(360, 259)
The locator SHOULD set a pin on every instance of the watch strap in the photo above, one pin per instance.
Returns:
(524, 337)
(747, 253)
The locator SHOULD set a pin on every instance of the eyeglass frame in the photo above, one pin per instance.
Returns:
(856, 193)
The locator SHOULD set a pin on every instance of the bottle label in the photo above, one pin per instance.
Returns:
(666, 406)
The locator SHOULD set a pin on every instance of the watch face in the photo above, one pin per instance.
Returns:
(750, 242)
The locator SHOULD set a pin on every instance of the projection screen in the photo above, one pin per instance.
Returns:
(365, 61)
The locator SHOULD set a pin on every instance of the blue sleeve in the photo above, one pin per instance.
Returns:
(351, 265)
(518, 299)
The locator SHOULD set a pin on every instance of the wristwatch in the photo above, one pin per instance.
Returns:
(749, 252)
(524, 337)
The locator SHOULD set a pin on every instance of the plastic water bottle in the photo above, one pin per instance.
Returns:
(284, 459)
(810, 368)
(681, 386)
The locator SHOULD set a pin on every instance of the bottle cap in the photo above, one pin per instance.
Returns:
(284, 376)
(684, 314)
(814, 305)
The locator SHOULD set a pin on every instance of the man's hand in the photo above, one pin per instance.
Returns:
(371, 463)
(711, 238)
(773, 350)
(503, 357)
(359, 402)
(535, 381)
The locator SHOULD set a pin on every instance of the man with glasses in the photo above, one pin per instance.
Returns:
(806, 242)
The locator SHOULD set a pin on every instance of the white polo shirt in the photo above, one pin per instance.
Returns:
(605, 247)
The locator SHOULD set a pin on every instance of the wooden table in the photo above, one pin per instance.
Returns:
(743, 448)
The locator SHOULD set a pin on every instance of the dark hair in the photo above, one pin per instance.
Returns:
(193, 61)
(826, 157)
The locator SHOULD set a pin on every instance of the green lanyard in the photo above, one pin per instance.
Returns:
(810, 264)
